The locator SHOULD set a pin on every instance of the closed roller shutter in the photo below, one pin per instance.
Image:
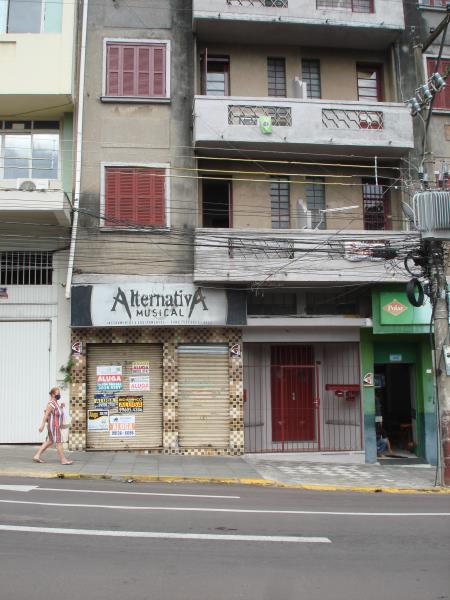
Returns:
(203, 396)
(148, 422)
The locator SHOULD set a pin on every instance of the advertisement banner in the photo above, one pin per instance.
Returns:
(122, 426)
(140, 383)
(98, 420)
(105, 401)
(109, 377)
(130, 404)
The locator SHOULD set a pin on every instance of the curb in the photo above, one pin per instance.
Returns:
(222, 480)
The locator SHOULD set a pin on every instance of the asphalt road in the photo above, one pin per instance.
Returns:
(106, 540)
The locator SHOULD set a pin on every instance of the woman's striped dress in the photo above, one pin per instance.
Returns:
(54, 422)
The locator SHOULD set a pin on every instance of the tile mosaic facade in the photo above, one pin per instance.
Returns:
(170, 338)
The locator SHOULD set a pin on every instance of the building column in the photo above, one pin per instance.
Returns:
(368, 396)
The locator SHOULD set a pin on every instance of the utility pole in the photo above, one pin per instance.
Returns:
(434, 225)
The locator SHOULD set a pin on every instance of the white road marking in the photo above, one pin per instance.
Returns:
(168, 536)
(42, 489)
(230, 510)
(18, 488)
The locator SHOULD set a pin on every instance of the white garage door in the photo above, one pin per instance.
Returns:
(24, 379)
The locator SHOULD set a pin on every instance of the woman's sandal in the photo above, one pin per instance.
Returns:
(70, 462)
(38, 460)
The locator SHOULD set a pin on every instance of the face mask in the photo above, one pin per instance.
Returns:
(58, 396)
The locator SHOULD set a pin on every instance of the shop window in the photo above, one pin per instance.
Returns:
(276, 77)
(134, 196)
(311, 76)
(442, 98)
(26, 268)
(279, 203)
(136, 70)
(215, 75)
(369, 83)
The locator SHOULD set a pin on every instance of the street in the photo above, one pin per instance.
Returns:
(109, 540)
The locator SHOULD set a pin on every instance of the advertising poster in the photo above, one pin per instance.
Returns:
(105, 401)
(109, 378)
(140, 367)
(122, 426)
(140, 383)
(98, 420)
(130, 404)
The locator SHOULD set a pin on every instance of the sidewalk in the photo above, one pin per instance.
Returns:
(16, 461)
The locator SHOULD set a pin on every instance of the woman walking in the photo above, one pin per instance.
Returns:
(54, 417)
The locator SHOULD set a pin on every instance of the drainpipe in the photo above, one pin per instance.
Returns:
(79, 138)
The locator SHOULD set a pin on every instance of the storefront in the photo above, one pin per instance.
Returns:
(156, 367)
(398, 382)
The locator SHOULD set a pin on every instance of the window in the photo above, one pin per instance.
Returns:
(276, 77)
(369, 83)
(29, 149)
(272, 303)
(134, 196)
(279, 200)
(26, 268)
(442, 98)
(433, 3)
(216, 203)
(136, 70)
(375, 205)
(215, 75)
(337, 302)
(315, 200)
(30, 16)
(311, 76)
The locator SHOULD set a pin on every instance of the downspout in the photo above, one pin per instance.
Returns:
(79, 138)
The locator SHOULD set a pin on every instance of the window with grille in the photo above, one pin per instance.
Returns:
(276, 77)
(29, 150)
(136, 70)
(375, 206)
(279, 200)
(369, 83)
(134, 197)
(311, 76)
(26, 268)
(442, 98)
(315, 200)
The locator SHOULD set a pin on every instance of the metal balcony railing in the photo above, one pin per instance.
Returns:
(359, 6)
(258, 3)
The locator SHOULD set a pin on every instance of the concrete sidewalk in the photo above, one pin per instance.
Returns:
(251, 469)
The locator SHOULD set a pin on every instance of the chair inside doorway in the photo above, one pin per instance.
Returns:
(395, 402)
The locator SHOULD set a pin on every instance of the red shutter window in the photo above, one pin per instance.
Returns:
(442, 98)
(135, 196)
(136, 70)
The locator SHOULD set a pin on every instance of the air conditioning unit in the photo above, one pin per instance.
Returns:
(31, 185)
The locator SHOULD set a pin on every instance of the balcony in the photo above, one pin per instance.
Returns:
(370, 24)
(303, 125)
(20, 199)
(295, 256)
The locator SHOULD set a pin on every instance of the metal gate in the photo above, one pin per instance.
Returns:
(300, 398)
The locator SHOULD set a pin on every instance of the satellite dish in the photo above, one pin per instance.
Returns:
(409, 214)
(27, 186)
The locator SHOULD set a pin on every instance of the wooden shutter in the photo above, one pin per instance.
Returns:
(136, 70)
(135, 195)
(442, 98)
(203, 396)
(148, 422)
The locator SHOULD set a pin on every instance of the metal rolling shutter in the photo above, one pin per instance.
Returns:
(149, 422)
(203, 396)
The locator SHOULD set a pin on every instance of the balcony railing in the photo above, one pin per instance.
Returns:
(293, 255)
(259, 3)
(357, 6)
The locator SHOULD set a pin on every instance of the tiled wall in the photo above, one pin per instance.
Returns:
(170, 338)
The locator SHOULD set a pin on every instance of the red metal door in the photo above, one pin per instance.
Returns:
(293, 406)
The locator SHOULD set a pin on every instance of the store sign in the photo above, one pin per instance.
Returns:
(147, 303)
(395, 309)
(109, 377)
(98, 420)
(130, 404)
(122, 426)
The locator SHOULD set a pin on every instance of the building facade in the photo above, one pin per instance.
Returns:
(37, 64)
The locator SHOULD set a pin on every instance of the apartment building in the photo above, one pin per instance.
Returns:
(37, 65)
